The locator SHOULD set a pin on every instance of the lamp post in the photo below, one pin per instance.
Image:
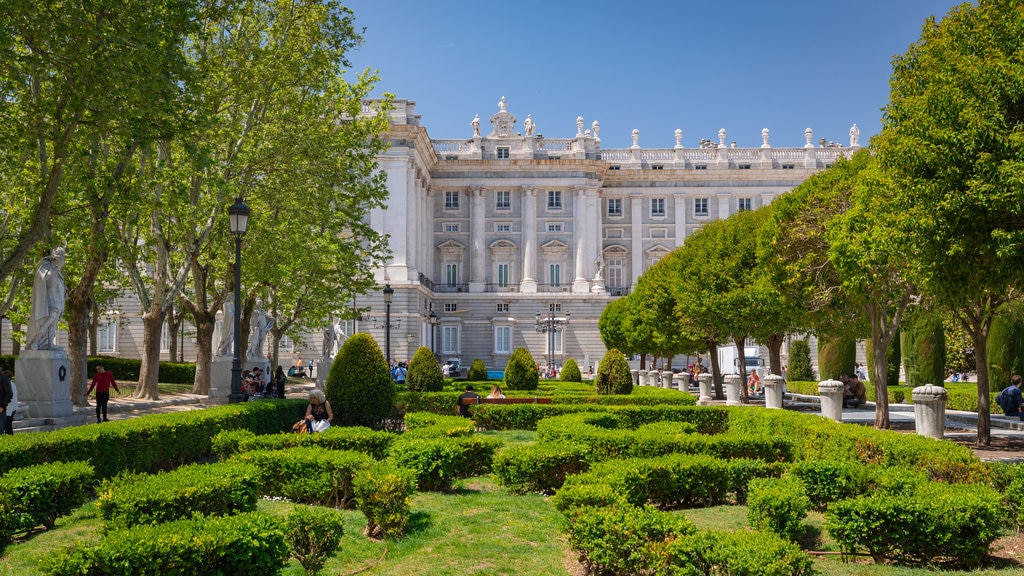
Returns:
(4, 317)
(389, 294)
(433, 330)
(181, 348)
(239, 214)
(551, 325)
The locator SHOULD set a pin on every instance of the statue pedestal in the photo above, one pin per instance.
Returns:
(323, 368)
(43, 383)
(220, 379)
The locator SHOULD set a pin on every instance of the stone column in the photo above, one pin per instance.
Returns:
(43, 382)
(529, 281)
(929, 410)
(581, 283)
(478, 253)
(636, 377)
(707, 393)
(732, 389)
(772, 391)
(831, 393)
(643, 377)
(636, 239)
(666, 379)
(681, 381)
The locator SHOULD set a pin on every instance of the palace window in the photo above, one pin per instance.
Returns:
(554, 307)
(744, 166)
(554, 199)
(165, 338)
(450, 339)
(614, 271)
(451, 227)
(700, 206)
(788, 166)
(502, 200)
(615, 206)
(502, 339)
(700, 166)
(106, 336)
(657, 167)
(502, 307)
(503, 275)
(450, 306)
(555, 274)
(451, 275)
(502, 152)
(657, 207)
(451, 199)
(745, 204)
(503, 227)
(555, 227)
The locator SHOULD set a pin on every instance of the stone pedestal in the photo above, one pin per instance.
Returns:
(707, 393)
(323, 367)
(681, 381)
(831, 393)
(636, 377)
(666, 379)
(732, 389)
(929, 410)
(44, 384)
(220, 379)
(772, 391)
(643, 377)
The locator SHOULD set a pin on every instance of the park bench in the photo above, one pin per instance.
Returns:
(485, 400)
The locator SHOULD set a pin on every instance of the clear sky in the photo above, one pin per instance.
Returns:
(653, 65)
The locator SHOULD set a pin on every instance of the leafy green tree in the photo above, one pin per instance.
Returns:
(893, 358)
(477, 371)
(571, 371)
(836, 356)
(521, 371)
(359, 385)
(614, 318)
(613, 374)
(948, 144)
(424, 372)
(800, 362)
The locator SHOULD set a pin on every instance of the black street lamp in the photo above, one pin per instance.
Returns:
(389, 294)
(551, 326)
(239, 214)
(433, 330)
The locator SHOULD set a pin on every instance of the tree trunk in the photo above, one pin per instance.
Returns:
(881, 337)
(177, 321)
(980, 338)
(205, 325)
(716, 370)
(774, 344)
(15, 344)
(741, 359)
(149, 373)
(78, 341)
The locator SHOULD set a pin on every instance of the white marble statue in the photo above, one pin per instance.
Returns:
(334, 337)
(596, 126)
(48, 297)
(764, 138)
(528, 125)
(579, 126)
(259, 326)
(227, 330)
(636, 138)
(679, 137)
(854, 136)
(476, 126)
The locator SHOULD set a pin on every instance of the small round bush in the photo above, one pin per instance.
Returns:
(521, 371)
(571, 371)
(424, 372)
(616, 379)
(477, 371)
(313, 535)
(800, 362)
(359, 385)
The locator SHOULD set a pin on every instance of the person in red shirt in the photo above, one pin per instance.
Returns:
(102, 382)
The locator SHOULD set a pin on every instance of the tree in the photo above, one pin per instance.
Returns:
(950, 143)
(613, 375)
(1006, 344)
(521, 371)
(477, 371)
(359, 385)
(424, 373)
(836, 356)
(923, 345)
(800, 362)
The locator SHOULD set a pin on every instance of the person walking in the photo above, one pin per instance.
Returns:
(13, 406)
(102, 381)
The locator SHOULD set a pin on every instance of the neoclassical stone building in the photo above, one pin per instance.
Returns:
(505, 229)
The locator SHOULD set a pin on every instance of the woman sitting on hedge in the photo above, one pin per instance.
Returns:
(318, 413)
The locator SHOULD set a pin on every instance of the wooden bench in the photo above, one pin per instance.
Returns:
(485, 400)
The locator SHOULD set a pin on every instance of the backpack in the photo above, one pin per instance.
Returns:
(1003, 400)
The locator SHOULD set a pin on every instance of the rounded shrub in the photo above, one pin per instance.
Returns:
(1006, 345)
(571, 371)
(424, 372)
(836, 356)
(359, 385)
(800, 362)
(477, 371)
(924, 351)
(521, 371)
(616, 378)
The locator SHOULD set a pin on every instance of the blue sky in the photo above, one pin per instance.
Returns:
(653, 65)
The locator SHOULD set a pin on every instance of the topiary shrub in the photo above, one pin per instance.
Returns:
(382, 493)
(424, 372)
(477, 371)
(836, 356)
(778, 505)
(313, 535)
(571, 371)
(359, 385)
(800, 362)
(1006, 345)
(616, 379)
(924, 351)
(521, 371)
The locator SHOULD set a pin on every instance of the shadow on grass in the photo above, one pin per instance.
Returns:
(418, 522)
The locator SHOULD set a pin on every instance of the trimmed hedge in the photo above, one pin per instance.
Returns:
(613, 376)
(778, 505)
(382, 495)
(825, 481)
(307, 474)
(148, 443)
(220, 489)
(373, 443)
(359, 385)
(939, 523)
(708, 420)
(521, 371)
(540, 468)
(251, 543)
(424, 373)
(38, 495)
(437, 462)
(570, 371)
(313, 535)
(477, 371)
(624, 540)
(740, 553)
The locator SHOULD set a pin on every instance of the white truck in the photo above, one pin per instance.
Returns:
(729, 361)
